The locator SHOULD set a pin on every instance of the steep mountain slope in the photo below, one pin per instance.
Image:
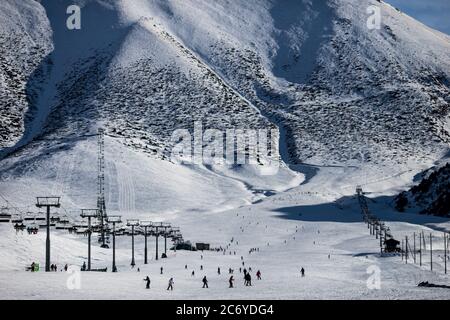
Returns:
(25, 42)
(339, 93)
(431, 195)
(370, 95)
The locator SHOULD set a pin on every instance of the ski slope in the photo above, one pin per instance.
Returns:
(294, 229)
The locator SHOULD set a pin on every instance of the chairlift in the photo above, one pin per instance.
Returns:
(30, 216)
(5, 216)
(33, 229)
(17, 219)
(19, 226)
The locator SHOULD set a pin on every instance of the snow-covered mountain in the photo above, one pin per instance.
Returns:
(352, 106)
(431, 195)
(312, 67)
(338, 92)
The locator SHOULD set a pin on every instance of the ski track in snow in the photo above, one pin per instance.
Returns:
(127, 194)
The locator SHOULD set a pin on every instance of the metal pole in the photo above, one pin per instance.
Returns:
(402, 249)
(431, 252)
(420, 248)
(406, 242)
(445, 253)
(132, 246)
(114, 268)
(47, 242)
(89, 243)
(381, 238)
(145, 253)
(157, 243)
(165, 243)
(414, 253)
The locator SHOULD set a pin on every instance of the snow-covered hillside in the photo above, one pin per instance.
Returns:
(431, 195)
(25, 42)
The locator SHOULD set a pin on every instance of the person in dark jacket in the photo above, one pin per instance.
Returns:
(205, 282)
(248, 280)
(231, 282)
(171, 283)
(147, 282)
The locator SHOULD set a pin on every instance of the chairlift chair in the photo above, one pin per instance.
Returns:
(33, 229)
(17, 219)
(5, 216)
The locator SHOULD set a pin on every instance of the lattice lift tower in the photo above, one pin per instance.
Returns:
(101, 206)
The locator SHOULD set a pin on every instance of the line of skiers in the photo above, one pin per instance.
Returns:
(247, 280)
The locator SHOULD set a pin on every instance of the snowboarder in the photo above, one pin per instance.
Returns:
(302, 271)
(231, 281)
(171, 283)
(205, 282)
(258, 275)
(147, 280)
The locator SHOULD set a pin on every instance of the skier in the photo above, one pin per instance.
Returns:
(83, 268)
(248, 280)
(193, 273)
(258, 275)
(218, 270)
(302, 271)
(147, 280)
(33, 266)
(201, 267)
(171, 283)
(205, 282)
(185, 267)
(161, 270)
(231, 282)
